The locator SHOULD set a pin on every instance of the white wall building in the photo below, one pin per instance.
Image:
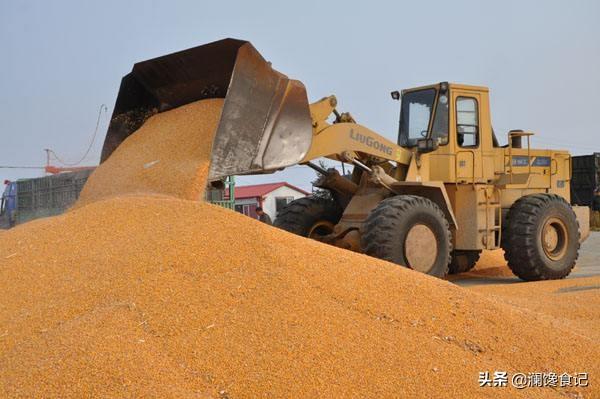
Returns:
(271, 197)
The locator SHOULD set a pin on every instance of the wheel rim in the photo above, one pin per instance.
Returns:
(320, 229)
(420, 248)
(554, 238)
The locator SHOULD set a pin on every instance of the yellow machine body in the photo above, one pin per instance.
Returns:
(474, 184)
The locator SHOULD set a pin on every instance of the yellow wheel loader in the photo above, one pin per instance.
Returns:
(431, 202)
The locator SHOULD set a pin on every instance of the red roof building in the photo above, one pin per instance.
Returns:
(270, 196)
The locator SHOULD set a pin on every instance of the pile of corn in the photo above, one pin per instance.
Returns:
(168, 155)
(155, 296)
(491, 264)
(572, 304)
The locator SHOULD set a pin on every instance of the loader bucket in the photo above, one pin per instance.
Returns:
(265, 123)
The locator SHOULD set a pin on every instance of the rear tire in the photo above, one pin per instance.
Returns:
(411, 231)
(309, 216)
(596, 203)
(541, 237)
(463, 261)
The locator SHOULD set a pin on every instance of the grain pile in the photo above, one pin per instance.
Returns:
(168, 155)
(155, 296)
(571, 303)
(164, 297)
(491, 264)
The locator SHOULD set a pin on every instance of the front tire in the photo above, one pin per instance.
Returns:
(311, 217)
(541, 238)
(411, 231)
(463, 261)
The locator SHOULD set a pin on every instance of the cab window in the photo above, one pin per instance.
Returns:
(467, 122)
(415, 115)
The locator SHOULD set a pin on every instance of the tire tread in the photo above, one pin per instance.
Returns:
(379, 230)
(519, 237)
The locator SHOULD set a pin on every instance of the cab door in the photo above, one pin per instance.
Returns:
(466, 130)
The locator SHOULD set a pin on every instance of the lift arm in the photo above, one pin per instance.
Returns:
(346, 139)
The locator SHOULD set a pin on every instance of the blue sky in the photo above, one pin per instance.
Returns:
(61, 60)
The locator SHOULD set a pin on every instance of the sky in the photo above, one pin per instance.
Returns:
(61, 60)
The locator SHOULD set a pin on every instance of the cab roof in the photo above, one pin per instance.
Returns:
(450, 85)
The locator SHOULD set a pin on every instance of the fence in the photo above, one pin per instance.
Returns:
(223, 197)
(48, 196)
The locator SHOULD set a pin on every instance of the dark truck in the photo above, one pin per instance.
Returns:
(585, 183)
(27, 199)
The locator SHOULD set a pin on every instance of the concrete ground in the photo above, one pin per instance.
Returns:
(588, 265)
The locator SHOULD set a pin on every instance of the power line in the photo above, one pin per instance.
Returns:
(20, 167)
(104, 108)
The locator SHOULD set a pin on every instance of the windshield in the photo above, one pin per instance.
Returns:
(415, 115)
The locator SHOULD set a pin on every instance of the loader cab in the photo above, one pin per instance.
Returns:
(449, 124)
(424, 115)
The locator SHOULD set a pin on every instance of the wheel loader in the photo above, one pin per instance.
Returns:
(431, 202)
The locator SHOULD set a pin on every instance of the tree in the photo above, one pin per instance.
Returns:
(317, 191)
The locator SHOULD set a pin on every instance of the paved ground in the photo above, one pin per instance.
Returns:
(588, 265)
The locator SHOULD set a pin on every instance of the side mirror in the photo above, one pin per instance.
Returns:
(395, 95)
(427, 145)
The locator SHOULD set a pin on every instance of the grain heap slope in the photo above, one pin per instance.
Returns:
(157, 296)
(572, 303)
(168, 155)
(163, 297)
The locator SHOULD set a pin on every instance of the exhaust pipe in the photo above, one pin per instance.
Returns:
(265, 123)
